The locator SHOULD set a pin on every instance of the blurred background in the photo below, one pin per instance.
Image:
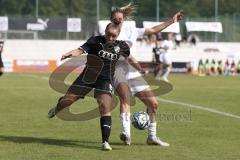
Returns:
(21, 12)
(209, 32)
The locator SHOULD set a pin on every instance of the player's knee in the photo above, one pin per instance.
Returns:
(153, 106)
(124, 99)
(104, 110)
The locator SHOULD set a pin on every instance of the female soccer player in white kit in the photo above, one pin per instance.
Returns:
(138, 86)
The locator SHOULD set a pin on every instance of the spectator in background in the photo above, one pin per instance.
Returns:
(189, 66)
(201, 68)
(157, 51)
(238, 68)
(213, 67)
(227, 68)
(159, 36)
(193, 39)
(233, 68)
(1, 62)
(207, 67)
(184, 39)
(220, 67)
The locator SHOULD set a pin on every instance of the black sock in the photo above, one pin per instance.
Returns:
(105, 123)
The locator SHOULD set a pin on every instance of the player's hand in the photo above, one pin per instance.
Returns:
(65, 56)
(178, 16)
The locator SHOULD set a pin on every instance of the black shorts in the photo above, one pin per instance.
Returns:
(101, 86)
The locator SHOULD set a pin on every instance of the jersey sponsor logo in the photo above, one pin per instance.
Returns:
(107, 55)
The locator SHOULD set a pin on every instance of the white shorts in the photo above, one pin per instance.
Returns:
(165, 58)
(125, 73)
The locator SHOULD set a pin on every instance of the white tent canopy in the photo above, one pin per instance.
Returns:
(204, 26)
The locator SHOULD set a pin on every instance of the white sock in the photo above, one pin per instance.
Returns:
(125, 122)
(152, 130)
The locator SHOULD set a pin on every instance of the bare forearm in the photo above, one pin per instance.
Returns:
(158, 28)
(177, 17)
(134, 63)
(73, 53)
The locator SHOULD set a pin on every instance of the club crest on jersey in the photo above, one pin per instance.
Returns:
(117, 49)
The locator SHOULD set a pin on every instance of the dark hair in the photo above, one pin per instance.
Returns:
(112, 25)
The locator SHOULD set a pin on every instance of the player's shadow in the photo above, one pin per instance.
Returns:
(52, 141)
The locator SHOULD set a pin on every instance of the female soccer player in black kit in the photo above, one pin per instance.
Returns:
(103, 53)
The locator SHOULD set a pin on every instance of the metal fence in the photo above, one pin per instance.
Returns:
(57, 28)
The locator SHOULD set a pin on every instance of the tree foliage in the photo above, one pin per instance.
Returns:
(146, 8)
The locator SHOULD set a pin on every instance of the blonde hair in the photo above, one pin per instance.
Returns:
(126, 10)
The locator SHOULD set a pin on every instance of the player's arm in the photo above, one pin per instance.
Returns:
(135, 64)
(72, 53)
(158, 28)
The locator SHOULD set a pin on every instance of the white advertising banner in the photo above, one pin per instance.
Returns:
(74, 25)
(175, 28)
(3, 23)
(204, 26)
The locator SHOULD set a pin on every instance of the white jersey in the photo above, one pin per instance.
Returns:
(124, 72)
(131, 34)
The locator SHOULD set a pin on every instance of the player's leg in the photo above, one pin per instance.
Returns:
(122, 89)
(149, 99)
(77, 90)
(67, 100)
(103, 93)
(104, 102)
(124, 97)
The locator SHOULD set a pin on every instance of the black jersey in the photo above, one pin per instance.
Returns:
(1, 49)
(102, 56)
(1, 46)
(157, 51)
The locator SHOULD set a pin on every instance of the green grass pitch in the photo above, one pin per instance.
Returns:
(193, 133)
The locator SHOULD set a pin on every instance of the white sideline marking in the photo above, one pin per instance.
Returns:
(200, 107)
(173, 102)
